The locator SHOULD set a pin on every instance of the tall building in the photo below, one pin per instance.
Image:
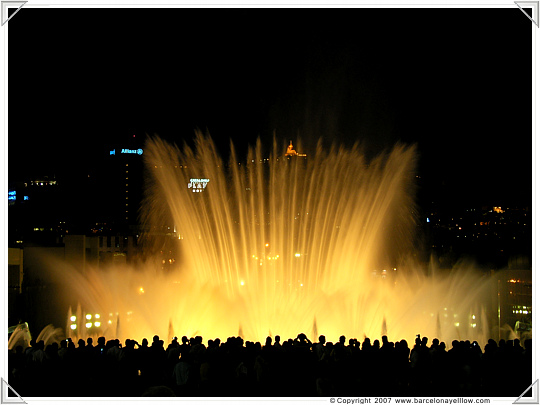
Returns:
(123, 181)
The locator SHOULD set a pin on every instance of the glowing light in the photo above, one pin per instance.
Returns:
(97, 324)
(110, 322)
(88, 325)
(242, 282)
(73, 327)
(141, 290)
(267, 245)
(297, 255)
(88, 316)
(456, 324)
(97, 316)
(473, 317)
(73, 318)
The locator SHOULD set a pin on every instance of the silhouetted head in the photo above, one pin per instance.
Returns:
(101, 340)
(277, 338)
(81, 342)
(435, 342)
(145, 342)
(342, 339)
(425, 341)
(155, 339)
(376, 344)
(89, 341)
(384, 339)
(268, 341)
(322, 339)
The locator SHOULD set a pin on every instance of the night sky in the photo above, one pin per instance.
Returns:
(456, 82)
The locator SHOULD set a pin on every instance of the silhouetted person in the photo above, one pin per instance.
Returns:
(320, 349)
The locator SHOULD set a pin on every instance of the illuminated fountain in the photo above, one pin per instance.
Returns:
(280, 245)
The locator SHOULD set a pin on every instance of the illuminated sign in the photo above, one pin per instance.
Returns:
(25, 198)
(128, 151)
(12, 195)
(136, 151)
(198, 185)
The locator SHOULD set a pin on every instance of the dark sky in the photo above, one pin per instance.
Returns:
(457, 82)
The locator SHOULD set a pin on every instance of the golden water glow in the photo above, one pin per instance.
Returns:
(329, 278)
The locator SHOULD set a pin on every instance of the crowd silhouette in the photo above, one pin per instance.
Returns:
(294, 367)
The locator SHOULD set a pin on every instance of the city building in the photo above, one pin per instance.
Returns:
(122, 179)
(513, 291)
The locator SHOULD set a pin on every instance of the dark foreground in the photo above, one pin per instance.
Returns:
(292, 368)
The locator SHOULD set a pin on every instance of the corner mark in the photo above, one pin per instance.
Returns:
(529, 4)
(5, 399)
(529, 400)
(10, 4)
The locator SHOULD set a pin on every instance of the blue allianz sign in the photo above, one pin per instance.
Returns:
(128, 151)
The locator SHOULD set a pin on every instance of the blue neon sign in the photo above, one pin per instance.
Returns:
(135, 151)
(127, 151)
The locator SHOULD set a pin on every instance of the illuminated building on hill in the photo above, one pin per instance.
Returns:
(291, 153)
